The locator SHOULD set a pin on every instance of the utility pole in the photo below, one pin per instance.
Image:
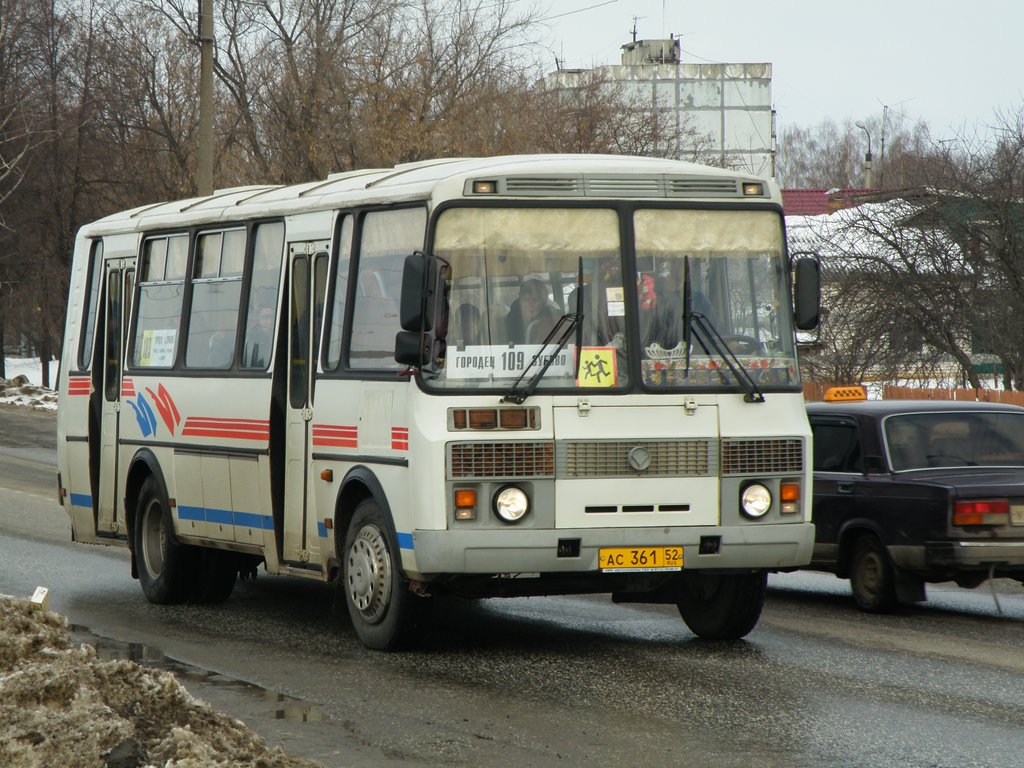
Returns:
(204, 163)
(867, 157)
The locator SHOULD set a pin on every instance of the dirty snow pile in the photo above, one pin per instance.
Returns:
(62, 706)
(19, 390)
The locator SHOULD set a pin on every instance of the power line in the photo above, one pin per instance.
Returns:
(579, 10)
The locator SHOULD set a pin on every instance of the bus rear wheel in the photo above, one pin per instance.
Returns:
(165, 566)
(385, 613)
(721, 606)
(215, 576)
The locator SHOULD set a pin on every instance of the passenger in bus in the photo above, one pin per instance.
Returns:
(259, 339)
(531, 316)
(466, 326)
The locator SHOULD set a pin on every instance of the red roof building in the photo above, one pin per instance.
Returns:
(814, 202)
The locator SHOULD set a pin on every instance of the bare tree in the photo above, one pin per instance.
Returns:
(942, 261)
(831, 154)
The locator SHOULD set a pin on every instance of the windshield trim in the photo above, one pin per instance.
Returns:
(625, 210)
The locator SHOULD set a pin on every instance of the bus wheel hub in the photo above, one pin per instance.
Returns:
(369, 573)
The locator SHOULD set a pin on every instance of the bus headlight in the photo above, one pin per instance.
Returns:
(755, 500)
(511, 504)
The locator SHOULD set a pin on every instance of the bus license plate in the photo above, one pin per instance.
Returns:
(639, 559)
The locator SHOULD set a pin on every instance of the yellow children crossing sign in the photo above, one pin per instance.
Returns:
(597, 367)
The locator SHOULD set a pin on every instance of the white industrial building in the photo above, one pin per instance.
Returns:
(730, 104)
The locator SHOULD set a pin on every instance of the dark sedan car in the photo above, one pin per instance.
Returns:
(915, 491)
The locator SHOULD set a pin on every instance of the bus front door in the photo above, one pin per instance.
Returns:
(305, 305)
(109, 515)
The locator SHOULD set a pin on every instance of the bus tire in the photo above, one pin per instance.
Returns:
(385, 613)
(215, 576)
(165, 565)
(721, 606)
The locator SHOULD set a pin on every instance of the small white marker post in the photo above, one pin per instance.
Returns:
(41, 599)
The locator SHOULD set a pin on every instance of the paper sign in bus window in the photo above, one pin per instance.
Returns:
(501, 361)
(616, 302)
(597, 367)
(158, 348)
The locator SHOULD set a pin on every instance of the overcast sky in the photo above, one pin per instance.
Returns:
(950, 63)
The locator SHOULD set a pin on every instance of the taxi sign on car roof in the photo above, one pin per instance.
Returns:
(844, 394)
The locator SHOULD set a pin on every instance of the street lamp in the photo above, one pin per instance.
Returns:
(867, 157)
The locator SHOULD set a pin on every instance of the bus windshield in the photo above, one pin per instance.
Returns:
(517, 271)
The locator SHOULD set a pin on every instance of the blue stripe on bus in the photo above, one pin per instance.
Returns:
(405, 541)
(321, 530)
(191, 513)
(251, 520)
(226, 517)
(81, 500)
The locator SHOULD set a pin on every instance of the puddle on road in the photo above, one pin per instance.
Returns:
(283, 707)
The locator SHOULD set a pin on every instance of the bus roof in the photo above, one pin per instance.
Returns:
(519, 176)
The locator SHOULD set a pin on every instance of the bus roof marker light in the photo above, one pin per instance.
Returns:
(753, 189)
(482, 187)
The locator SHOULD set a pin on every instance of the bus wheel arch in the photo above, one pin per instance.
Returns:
(143, 466)
(371, 585)
(165, 566)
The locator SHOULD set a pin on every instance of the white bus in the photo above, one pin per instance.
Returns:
(523, 375)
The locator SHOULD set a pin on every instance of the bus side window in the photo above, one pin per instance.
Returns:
(91, 305)
(216, 292)
(336, 328)
(263, 290)
(161, 289)
(387, 238)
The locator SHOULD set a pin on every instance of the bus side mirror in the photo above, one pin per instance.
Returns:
(423, 312)
(806, 292)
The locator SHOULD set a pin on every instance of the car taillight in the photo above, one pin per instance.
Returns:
(981, 512)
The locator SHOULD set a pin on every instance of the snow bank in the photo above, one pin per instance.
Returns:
(23, 386)
(63, 706)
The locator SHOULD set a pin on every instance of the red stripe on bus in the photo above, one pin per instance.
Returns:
(336, 442)
(80, 385)
(400, 438)
(241, 429)
(336, 435)
(226, 433)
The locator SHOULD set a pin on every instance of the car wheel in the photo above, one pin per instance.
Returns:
(385, 613)
(872, 577)
(718, 606)
(164, 564)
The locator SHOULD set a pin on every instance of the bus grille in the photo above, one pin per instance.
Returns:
(610, 458)
(747, 457)
(514, 459)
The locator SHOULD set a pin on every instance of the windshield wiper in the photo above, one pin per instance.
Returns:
(561, 331)
(711, 341)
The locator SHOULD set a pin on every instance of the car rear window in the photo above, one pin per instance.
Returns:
(954, 439)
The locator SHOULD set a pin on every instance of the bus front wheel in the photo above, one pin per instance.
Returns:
(385, 613)
(721, 606)
(164, 564)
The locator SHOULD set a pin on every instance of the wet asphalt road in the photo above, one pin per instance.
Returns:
(551, 681)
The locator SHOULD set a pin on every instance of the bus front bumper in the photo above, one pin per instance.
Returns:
(771, 547)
